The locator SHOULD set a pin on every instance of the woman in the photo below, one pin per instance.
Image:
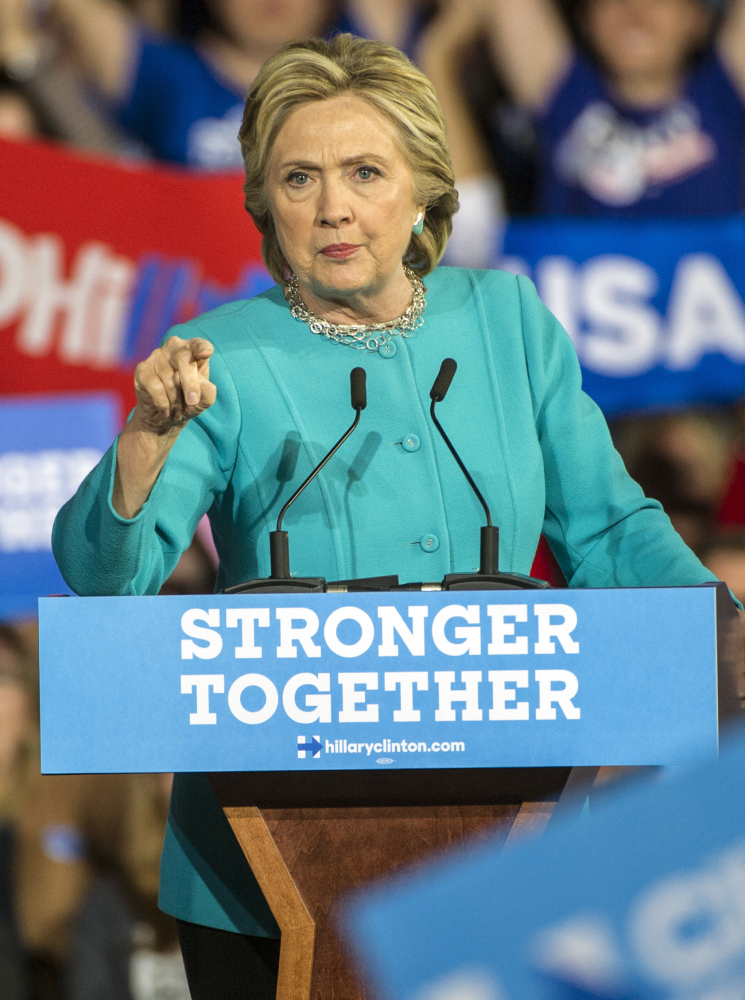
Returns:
(348, 177)
(651, 122)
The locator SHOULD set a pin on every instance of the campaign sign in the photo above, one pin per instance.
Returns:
(48, 445)
(654, 307)
(644, 898)
(392, 680)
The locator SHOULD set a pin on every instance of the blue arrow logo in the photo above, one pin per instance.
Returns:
(304, 748)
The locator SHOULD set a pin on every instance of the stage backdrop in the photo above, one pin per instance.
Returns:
(98, 260)
(655, 308)
(48, 445)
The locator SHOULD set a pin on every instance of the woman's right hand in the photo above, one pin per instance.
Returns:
(173, 385)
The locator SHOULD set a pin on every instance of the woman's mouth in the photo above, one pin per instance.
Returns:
(340, 250)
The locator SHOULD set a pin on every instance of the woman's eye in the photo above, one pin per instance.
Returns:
(365, 173)
(298, 178)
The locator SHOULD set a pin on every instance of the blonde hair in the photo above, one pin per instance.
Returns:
(316, 70)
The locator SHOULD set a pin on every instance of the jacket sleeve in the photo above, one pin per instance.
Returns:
(602, 529)
(101, 553)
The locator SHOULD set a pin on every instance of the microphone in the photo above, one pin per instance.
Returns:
(279, 541)
(489, 533)
(488, 577)
(437, 393)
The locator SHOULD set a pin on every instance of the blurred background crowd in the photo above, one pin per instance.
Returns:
(609, 109)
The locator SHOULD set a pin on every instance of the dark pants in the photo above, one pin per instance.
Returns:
(224, 966)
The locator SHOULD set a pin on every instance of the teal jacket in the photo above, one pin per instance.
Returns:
(391, 501)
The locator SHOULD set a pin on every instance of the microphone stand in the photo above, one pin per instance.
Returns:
(281, 581)
(488, 576)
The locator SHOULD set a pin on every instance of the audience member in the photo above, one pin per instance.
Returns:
(684, 460)
(42, 96)
(195, 572)
(441, 51)
(183, 101)
(649, 121)
(398, 22)
(80, 854)
(16, 768)
(17, 117)
(724, 555)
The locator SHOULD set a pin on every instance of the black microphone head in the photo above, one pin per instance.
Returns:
(443, 380)
(357, 380)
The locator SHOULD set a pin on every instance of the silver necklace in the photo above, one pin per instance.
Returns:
(362, 338)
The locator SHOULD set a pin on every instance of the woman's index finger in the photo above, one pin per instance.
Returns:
(201, 348)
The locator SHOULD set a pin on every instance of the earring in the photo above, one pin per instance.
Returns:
(418, 227)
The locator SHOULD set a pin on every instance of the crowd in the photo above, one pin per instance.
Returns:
(600, 108)
(586, 107)
(80, 854)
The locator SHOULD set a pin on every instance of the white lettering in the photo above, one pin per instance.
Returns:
(320, 703)
(624, 328)
(563, 698)
(94, 301)
(349, 649)
(560, 630)
(248, 618)
(351, 697)
(391, 621)
(709, 900)
(502, 694)
(190, 649)
(471, 637)
(33, 487)
(500, 629)
(270, 695)
(13, 289)
(705, 313)
(557, 283)
(289, 635)
(470, 695)
(203, 683)
(407, 680)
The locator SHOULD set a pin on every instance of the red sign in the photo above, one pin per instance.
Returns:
(98, 260)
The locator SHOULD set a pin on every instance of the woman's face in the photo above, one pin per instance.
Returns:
(645, 37)
(261, 26)
(342, 197)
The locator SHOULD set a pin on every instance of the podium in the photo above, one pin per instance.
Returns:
(400, 726)
(308, 841)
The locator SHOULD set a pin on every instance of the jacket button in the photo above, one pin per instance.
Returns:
(388, 350)
(411, 443)
(430, 543)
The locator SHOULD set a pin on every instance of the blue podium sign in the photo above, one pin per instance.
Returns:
(393, 680)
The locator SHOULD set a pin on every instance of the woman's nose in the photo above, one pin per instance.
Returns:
(334, 209)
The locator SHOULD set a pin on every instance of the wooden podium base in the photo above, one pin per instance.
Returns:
(310, 837)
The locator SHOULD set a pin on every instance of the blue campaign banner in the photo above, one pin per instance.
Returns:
(642, 899)
(48, 444)
(393, 680)
(654, 307)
